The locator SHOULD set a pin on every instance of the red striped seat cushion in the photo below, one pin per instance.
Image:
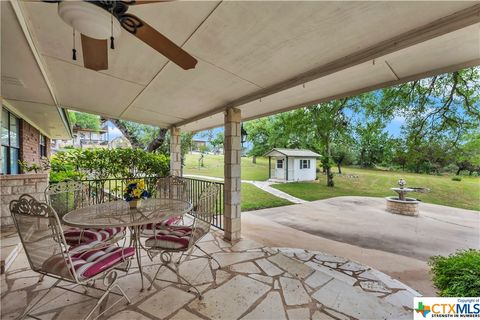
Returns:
(165, 223)
(74, 236)
(176, 237)
(148, 229)
(87, 264)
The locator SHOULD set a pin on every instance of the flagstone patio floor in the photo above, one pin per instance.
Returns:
(254, 282)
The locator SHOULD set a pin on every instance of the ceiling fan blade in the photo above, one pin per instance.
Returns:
(162, 44)
(95, 53)
(136, 2)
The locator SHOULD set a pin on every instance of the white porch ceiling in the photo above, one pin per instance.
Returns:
(23, 86)
(262, 57)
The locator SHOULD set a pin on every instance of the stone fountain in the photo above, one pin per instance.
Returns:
(402, 204)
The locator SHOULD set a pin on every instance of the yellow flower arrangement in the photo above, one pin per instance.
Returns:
(135, 190)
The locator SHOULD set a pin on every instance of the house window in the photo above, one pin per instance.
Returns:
(43, 146)
(304, 164)
(10, 142)
(279, 164)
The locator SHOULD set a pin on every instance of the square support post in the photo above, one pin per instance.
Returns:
(1, 153)
(232, 170)
(175, 152)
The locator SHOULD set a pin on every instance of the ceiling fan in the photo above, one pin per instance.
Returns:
(98, 21)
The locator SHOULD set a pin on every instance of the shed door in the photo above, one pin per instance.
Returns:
(280, 169)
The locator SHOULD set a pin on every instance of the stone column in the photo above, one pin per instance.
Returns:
(232, 150)
(1, 153)
(175, 152)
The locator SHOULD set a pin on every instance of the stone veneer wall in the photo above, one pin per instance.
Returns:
(13, 186)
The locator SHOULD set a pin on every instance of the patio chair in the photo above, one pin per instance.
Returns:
(170, 187)
(48, 253)
(67, 196)
(184, 239)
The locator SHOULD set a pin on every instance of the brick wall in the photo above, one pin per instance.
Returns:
(30, 143)
(13, 186)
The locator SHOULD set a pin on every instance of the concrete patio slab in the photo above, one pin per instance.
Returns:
(359, 228)
(364, 222)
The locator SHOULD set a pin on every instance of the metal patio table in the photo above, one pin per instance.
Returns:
(119, 214)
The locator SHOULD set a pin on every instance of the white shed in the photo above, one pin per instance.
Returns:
(288, 165)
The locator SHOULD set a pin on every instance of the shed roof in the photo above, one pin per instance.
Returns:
(293, 152)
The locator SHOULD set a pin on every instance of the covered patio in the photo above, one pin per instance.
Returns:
(254, 59)
(255, 282)
(274, 65)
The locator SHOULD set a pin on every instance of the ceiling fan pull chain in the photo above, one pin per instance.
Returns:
(112, 44)
(74, 51)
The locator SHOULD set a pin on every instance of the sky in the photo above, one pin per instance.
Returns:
(395, 126)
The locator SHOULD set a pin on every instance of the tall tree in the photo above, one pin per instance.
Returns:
(447, 104)
(342, 153)
(146, 137)
(127, 132)
(259, 134)
(325, 122)
(372, 143)
(84, 120)
(467, 155)
(217, 141)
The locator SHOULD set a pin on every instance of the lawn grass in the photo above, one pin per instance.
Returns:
(213, 167)
(254, 198)
(375, 183)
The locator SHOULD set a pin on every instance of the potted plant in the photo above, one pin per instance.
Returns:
(135, 192)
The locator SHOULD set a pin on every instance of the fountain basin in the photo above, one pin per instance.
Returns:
(407, 207)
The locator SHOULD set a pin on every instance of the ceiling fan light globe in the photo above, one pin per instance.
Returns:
(89, 19)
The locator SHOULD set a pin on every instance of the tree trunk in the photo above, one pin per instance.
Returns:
(330, 182)
(458, 171)
(126, 133)
(254, 159)
(152, 146)
(158, 141)
(339, 168)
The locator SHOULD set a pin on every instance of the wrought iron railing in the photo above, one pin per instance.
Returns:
(104, 190)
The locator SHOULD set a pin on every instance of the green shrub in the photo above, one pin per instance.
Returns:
(65, 176)
(457, 275)
(107, 163)
(457, 178)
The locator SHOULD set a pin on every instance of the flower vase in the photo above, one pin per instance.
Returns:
(134, 204)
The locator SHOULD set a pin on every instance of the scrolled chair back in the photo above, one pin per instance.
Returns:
(172, 187)
(204, 211)
(40, 231)
(66, 196)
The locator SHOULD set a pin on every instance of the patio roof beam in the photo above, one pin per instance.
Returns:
(439, 27)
